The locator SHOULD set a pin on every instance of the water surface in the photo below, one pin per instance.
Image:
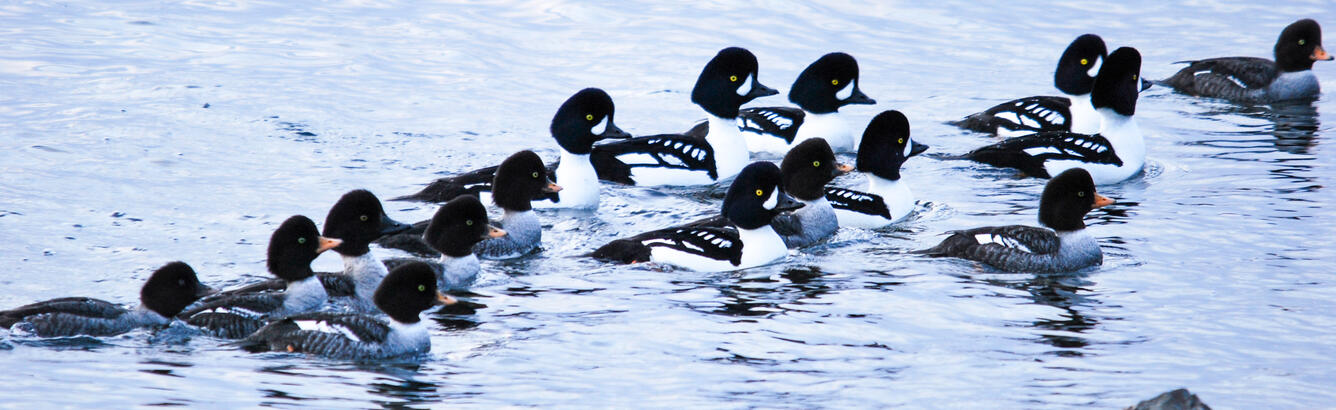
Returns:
(138, 132)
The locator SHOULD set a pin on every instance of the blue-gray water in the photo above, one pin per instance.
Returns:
(139, 132)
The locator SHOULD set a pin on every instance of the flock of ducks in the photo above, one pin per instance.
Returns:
(1085, 139)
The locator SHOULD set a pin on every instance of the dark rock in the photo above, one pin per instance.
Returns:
(1180, 399)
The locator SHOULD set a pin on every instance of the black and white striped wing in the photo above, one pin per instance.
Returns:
(995, 244)
(614, 161)
(1028, 153)
(80, 306)
(710, 242)
(857, 201)
(1244, 72)
(1227, 77)
(782, 122)
(1030, 114)
(252, 305)
(325, 334)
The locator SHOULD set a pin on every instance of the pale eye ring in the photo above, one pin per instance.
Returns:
(1081, 194)
(589, 117)
(301, 240)
(364, 218)
(902, 141)
(1301, 41)
(468, 222)
(535, 174)
(733, 78)
(422, 288)
(835, 81)
(760, 192)
(816, 163)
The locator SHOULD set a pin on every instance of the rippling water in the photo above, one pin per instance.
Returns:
(139, 132)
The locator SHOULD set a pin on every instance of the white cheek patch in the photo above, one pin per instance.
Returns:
(601, 127)
(771, 201)
(746, 86)
(326, 327)
(847, 91)
(1094, 67)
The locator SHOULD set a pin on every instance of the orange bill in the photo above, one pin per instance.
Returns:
(845, 168)
(1320, 54)
(494, 232)
(552, 187)
(1102, 201)
(445, 300)
(327, 244)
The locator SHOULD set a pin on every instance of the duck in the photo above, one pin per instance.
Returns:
(358, 218)
(452, 232)
(584, 119)
(292, 248)
(167, 291)
(752, 202)
(1074, 77)
(701, 156)
(886, 199)
(519, 180)
(1252, 80)
(1114, 154)
(1061, 245)
(403, 295)
(819, 91)
(806, 170)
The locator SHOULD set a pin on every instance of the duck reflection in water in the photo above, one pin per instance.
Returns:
(1293, 124)
(754, 296)
(1067, 292)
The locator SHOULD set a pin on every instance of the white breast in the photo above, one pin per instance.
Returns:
(1084, 118)
(579, 183)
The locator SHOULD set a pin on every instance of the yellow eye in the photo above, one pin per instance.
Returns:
(902, 141)
(535, 174)
(468, 222)
(835, 82)
(589, 117)
(1134, 77)
(1085, 61)
(760, 192)
(364, 218)
(422, 288)
(1081, 194)
(733, 78)
(1301, 41)
(816, 163)
(301, 240)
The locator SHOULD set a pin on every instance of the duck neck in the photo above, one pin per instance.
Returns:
(1084, 119)
(579, 181)
(831, 127)
(886, 188)
(366, 272)
(1123, 134)
(305, 294)
(730, 148)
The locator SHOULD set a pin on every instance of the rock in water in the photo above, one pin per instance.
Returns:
(1179, 399)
